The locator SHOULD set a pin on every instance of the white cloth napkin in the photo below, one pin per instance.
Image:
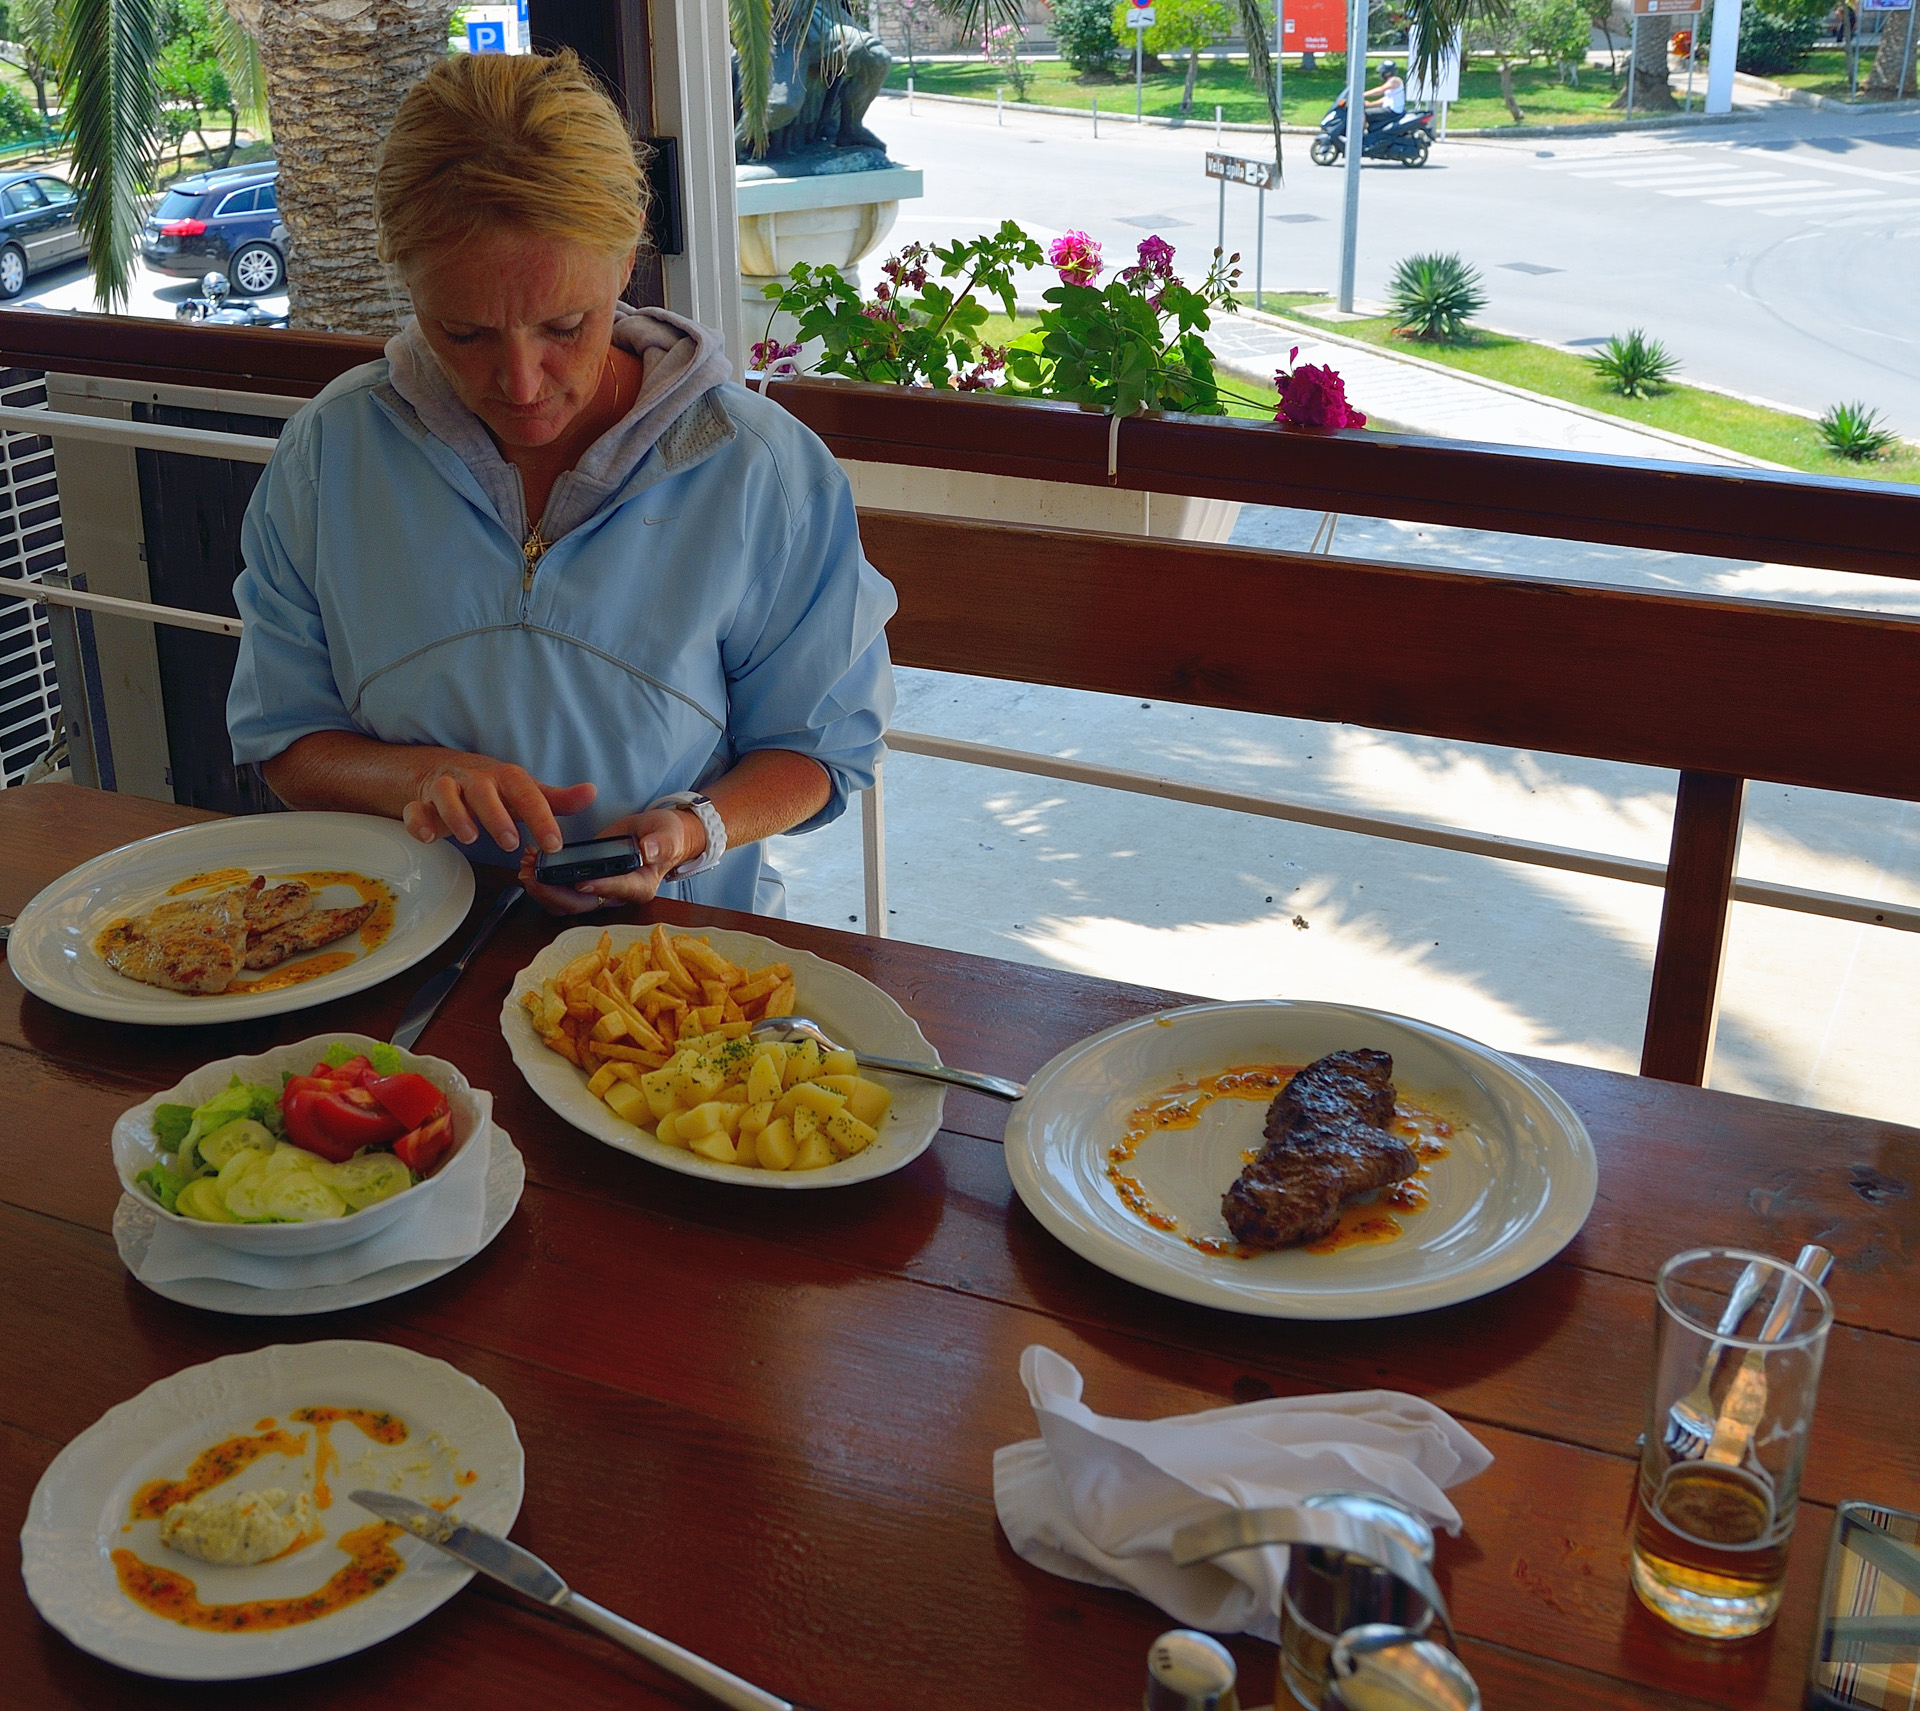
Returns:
(1099, 1500)
(444, 1225)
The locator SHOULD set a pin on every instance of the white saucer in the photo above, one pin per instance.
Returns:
(133, 1224)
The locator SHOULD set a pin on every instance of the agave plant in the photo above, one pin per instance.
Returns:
(1636, 366)
(1435, 296)
(1855, 432)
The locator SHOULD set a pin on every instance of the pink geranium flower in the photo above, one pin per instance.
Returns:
(1313, 396)
(1077, 257)
(1156, 256)
(770, 356)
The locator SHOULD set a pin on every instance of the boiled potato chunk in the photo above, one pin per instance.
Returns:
(775, 1147)
(695, 1082)
(756, 1117)
(657, 1084)
(668, 1130)
(630, 1104)
(847, 1135)
(810, 1096)
(715, 1146)
(803, 1064)
(763, 1081)
(841, 1062)
(868, 1101)
(745, 1151)
(815, 1152)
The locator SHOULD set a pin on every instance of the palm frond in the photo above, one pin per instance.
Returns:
(979, 16)
(750, 23)
(1434, 25)
(1253, 27)
(239, 56)
(113, 119)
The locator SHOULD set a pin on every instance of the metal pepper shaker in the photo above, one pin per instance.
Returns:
(1189, 1671)
(1355, 1559)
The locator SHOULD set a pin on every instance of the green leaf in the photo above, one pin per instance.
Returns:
(113, 117)
(750, 23)
(170, 1125)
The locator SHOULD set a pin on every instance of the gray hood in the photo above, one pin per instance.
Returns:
(681, 361)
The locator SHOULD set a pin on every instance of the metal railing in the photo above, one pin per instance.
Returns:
(1397, 828)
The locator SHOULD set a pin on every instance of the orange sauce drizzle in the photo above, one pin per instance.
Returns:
(222, 876)
(372, 1562)
(381, 1428)
(1363, 1222)
(294, 973)
(469, 1476)
(213, 1467)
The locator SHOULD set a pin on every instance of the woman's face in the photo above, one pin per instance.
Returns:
(521, 323)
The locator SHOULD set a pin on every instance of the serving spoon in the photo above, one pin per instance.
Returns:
(806, 1028)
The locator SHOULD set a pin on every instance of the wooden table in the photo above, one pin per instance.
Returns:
(764, 1424)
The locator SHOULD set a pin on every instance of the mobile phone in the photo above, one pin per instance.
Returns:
(1866, 1649)
(598, 858)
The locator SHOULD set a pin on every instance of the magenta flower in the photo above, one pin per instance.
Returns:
(1313, 396)
(770, 356)
(1077, 257)
(1156, 256)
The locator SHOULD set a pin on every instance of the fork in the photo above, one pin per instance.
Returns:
(805, 1028)
(1690, 1421)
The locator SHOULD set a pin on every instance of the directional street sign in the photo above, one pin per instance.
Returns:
(1254, 174)
(1662, 8)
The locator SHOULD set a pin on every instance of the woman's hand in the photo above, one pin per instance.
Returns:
(469, 794)
(667, 837)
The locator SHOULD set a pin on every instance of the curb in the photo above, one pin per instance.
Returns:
(1807, 98)
(1719, 454)
(1608, 128)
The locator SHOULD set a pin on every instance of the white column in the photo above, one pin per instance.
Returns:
(1720, 55)
(693, 100)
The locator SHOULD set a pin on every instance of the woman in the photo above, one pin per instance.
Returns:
(545, 573)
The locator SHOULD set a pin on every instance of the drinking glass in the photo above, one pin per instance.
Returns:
(1714, 1510)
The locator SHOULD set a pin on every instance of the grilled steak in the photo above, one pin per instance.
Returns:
(1326, 1142)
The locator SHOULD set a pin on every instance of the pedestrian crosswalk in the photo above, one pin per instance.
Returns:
(1781, 184)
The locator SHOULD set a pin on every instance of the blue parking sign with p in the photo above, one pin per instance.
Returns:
(487, 37)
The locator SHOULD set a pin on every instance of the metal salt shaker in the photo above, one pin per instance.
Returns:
(1382, 1668)
(1188, 1671)
(1356, 1560)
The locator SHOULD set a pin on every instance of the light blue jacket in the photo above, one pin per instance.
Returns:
(708, 596)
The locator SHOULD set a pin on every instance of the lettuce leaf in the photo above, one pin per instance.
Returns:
(170, 1125)
(164, 1185)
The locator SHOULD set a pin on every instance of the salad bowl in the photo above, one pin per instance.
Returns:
(137, 1148)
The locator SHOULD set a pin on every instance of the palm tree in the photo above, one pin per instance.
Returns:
(1649, 80)
(35, 47)
(331, 78)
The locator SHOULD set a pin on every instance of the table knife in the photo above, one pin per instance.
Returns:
(1746, 1399)
(431, 996)
(526, 1573)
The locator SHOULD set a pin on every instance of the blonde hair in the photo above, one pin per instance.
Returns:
(524, 140)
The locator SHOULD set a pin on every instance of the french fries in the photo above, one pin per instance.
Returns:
(660, 1030)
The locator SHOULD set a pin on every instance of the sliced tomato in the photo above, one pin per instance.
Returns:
(333, 1126)
(422, 1150)
(355, 1072)
(410, 1097)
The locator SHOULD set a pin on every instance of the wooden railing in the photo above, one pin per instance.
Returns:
(1718, 690)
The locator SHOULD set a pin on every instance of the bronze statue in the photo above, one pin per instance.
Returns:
(826, 72)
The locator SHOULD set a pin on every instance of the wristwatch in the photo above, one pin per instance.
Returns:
(709, 817)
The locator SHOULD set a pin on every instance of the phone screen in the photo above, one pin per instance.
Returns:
(597, 849)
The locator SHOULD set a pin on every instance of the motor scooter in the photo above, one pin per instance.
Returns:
(1405, 137)
(215, 307)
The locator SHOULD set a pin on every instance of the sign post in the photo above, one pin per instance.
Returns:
(1260, 175)
(1139, 20)
(1906, 52)
(1356, 148)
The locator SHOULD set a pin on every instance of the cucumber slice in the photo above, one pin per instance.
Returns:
(299, 1196)
(201, 1199)
(366, 1178)
(287, 1157)
(215, 1149)
(240, 1182)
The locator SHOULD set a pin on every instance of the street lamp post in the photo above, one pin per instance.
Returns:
(1356, 146)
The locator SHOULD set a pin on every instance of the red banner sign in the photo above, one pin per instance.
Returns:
(1314, 26)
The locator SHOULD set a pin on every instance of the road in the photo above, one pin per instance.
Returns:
(1774, 255)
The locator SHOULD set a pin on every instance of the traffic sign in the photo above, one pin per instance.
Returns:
(1140, 18)
(487, 37)
(1662, 8)
(1315, 26)
(1232, 169)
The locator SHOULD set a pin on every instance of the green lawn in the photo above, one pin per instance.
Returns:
(1824, 72)
(1750, 428)
(1543, 98)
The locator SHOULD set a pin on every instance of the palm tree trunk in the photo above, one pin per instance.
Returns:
(1892, 56)
(1652, 93)
(1193, 72)
(1506, 89)
(335, 75)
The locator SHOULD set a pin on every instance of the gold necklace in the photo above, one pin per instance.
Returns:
(534, 548)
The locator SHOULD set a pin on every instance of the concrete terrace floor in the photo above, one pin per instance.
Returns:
(1226, 905)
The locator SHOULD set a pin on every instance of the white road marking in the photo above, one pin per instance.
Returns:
(1787, 196)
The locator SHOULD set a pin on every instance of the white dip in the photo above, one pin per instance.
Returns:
(244, 1527)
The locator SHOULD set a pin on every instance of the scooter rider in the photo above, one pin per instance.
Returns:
(1392, 93)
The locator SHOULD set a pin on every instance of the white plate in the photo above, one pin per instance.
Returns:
(135, 1147)
(1514, 1190)
(51, 949)
(133, 1225)
(79, 1510)
(853, 1011)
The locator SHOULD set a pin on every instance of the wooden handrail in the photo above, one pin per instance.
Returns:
(1776, 518)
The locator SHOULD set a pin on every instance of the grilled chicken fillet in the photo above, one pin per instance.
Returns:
(305, 932)
(183, 947)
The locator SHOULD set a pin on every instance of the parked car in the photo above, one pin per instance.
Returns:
(220, 222)
(39, 227)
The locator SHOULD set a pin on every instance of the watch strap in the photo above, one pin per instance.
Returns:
(709, 817)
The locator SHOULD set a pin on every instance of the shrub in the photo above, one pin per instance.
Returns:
(1774, 37)
(1084, 30)
(1853, 431)
(18, 116)
(1434, 295)
(1635, 366)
